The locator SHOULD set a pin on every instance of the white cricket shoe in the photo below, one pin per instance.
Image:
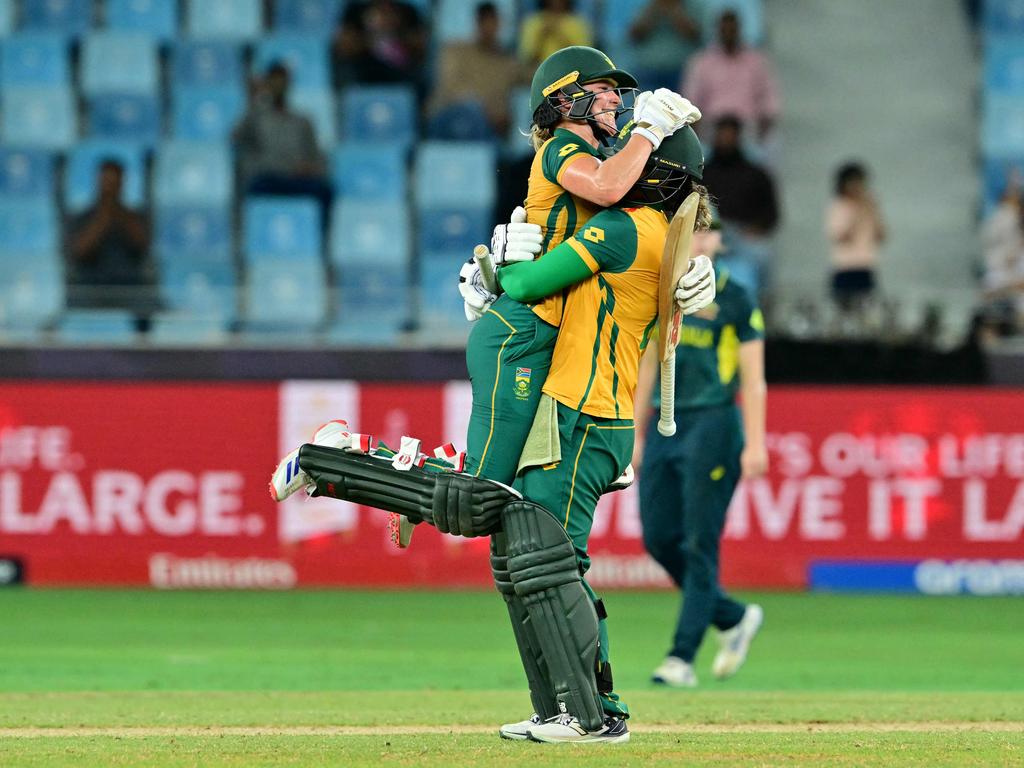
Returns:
(288, 478)
(519, 731)
(675, 673)
(567, 729)
(623, 481)
(735, 643)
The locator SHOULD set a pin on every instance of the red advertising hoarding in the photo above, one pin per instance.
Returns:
(166, 485)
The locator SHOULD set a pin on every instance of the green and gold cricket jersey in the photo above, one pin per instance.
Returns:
(607, 318)
(707, 358)
(558, 213)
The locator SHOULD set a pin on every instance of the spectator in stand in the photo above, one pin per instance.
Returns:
(855, 229)
(277, 149)
(550, 29)
(731, 79)
(108, 250)
(664, 36)
(475, 77)
(380, 41)
(747, 204)
(1003, 281)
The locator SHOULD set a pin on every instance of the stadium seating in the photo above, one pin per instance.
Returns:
(750, 12)
(318, 105)
(206, 114)
(312, 17)
(385, 114)
(97, 327)
(34, 59)
(456, 20)
(26, 173)
(373, 303)
(522, 119)
(187, 173)
(6, 17)
(455, 174)
(225, 19)
(1003, 17)
(206, 63)
(462, 121)
(84, 161)
(441, 308)
(281, 229)
(370, 171)
(305, 56)
(125, 116)
(32, 291)
(202, 284)
(1004, 64)
(155, 18)
(187, 329)
(69, 18)
(1002, 130)
(284, 295)
(197, 229)
(28, 227)
(454, 229)
(370, 233)
(120, 63)
(37, 117)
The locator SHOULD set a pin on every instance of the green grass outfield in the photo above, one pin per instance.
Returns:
(423, 679)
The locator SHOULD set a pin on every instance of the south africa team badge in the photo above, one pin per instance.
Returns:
(522, 383)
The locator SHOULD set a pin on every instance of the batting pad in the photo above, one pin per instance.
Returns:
(543, 570)
(450, 501)
(542, 695)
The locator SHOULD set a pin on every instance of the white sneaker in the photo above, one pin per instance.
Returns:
(288, 478)
(567, 729)
(623, 481)
(676, 673)
(519, 731)
(735, 643)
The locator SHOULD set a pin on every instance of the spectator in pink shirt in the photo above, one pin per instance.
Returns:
(732, 79)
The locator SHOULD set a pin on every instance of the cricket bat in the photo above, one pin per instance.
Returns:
(482, 256)
(675, 260)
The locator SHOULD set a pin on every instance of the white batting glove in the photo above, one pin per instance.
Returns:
(517, 240)
(696, 289)
(476, 299)
(661, 113)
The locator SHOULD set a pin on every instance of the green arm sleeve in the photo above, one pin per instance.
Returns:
(533, 280)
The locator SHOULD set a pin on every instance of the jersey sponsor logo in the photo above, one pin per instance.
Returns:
(521, 386)
(568, 149)
(594, 234)
(718, 473)
(565, 80)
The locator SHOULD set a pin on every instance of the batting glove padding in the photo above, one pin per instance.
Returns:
(476, 298)
(661, 113)
(517, 240)
(696, 289)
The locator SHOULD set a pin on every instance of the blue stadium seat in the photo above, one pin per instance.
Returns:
(120, 63)
(207, 63)
(192, 173)
(1004, 63)
(6, 17)
(313, 17)
(456, 20)
(67, 17)
(454, 174)
(32, 291)
(125, 116)
(278, 228)
(200, 285)
(454, 229)
(156, 18)
(522, 118)
(305, 56)
(750, 12)
(461, 121)
(28, 227)
(384, 113)
(285, 295)
(34, 59)
(39, 117)
(225, 19)
(373, 304)
(1004, 17)
(370, 233)
(196, 229)
(440, 301)
(616, 20)
(97, 327)
(83, 163)
(318, 105)
(26, 173)
(1002, 128)
(206, 114)
(370, 171)
(186, 329)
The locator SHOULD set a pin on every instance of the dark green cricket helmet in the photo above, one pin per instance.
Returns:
(680, 157)
(563, 74)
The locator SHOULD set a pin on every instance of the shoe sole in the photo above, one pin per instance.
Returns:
(620, 739)
(513, 737)
(668, 684)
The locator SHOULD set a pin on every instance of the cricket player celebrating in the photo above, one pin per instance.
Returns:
(687, 480)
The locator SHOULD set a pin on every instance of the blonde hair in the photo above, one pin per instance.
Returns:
(539, 135)
(703, 220)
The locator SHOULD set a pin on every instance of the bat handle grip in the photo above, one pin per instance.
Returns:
(482, 256)
(667, 417)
